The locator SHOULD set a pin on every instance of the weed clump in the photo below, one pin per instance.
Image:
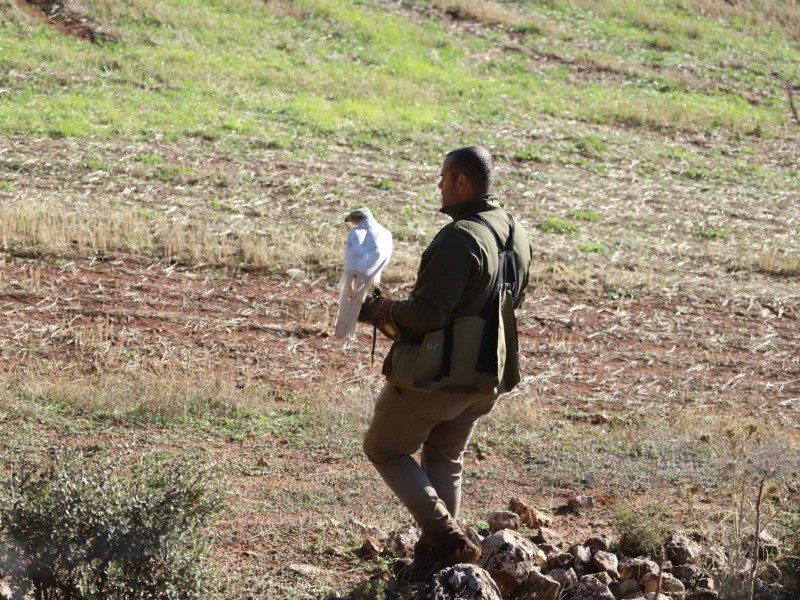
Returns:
(751, 467)
(81, 530)
(558, 225)
(640, 529)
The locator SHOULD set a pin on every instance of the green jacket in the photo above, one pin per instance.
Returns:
(458, 270)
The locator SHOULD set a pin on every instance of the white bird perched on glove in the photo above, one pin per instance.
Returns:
(366, 252)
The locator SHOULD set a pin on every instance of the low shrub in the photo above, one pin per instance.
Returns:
(82, 530)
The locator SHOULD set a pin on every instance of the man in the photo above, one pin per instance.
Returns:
(454, 354)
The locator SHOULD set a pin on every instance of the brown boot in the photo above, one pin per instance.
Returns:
(452, 546)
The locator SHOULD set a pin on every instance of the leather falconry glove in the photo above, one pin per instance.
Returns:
(378, 311)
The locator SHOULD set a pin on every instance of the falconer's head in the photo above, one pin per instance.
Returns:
(466, 174)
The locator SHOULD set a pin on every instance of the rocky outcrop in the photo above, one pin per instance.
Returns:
(540, 565)
(680, 550)
(504, 519)
(540, 587)
(588, 587)
(462, 582)
(509, 558)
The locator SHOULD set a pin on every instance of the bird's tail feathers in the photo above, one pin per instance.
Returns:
(353, 293)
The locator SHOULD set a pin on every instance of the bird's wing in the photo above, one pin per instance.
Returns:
(383, 250)
(367, 250)
(353, 284)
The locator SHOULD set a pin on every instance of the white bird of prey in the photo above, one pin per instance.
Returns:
(366, 252)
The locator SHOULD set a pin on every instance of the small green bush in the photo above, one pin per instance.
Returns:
(557, 225)
(589, 216)
(593, 248)
(641, 531)
(80, 530)
(533, 152)
(712, 234)
(590, 146)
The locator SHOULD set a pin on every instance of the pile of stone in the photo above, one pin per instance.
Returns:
(542, 566)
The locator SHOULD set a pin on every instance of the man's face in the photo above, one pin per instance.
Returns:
(451, 185)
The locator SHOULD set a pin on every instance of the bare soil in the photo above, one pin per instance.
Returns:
(740, 356)
(588, 360)
(58, 15)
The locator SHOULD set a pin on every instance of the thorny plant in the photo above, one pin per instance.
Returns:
(751, 466)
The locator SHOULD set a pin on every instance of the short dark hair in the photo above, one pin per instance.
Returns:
(476, 163)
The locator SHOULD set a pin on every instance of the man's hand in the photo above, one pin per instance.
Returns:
(378, 311)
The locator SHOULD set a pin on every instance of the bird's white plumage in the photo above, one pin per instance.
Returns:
(367, 250)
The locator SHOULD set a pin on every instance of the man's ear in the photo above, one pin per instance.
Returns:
(462, 182)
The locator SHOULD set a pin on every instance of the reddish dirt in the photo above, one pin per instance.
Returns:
(587, 358)
(56, 15)
(580, 351)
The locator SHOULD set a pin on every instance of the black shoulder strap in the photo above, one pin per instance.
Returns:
(507, 275)
(508, 246)
(506, 281)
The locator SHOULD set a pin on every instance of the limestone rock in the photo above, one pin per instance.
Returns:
(304, 569)
(680, 550)
(605, 562)
(603, 577)
(636, 568)
(509, 558)
(370, 548)
(560, 560)
(541, 587)
(540, 560)
(588, 587)
(504, 519)
(598, 542)
(544, 535)
(629, 587)
(669, 584)
(582, 556)
(701, 594)
(688, 574)
(402, 541)
(714, 558)
(576, 504)
(566, 577)
(462, 582)
(706, 583)
(530, 516)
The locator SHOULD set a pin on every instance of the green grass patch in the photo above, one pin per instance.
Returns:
(709, 233)
(589, 216)
(533, 152)
(558, 225)
(248, 73)
(593, 248)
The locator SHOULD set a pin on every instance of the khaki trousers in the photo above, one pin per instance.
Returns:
(441, 423)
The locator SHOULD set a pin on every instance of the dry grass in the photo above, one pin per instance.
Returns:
(775, 264)
(56, 228)
(783, 14)
(60, 229)
(482, 11)
(762, 15)
(284, 8)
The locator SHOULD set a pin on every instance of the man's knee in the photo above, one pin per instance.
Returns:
(373, 450)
